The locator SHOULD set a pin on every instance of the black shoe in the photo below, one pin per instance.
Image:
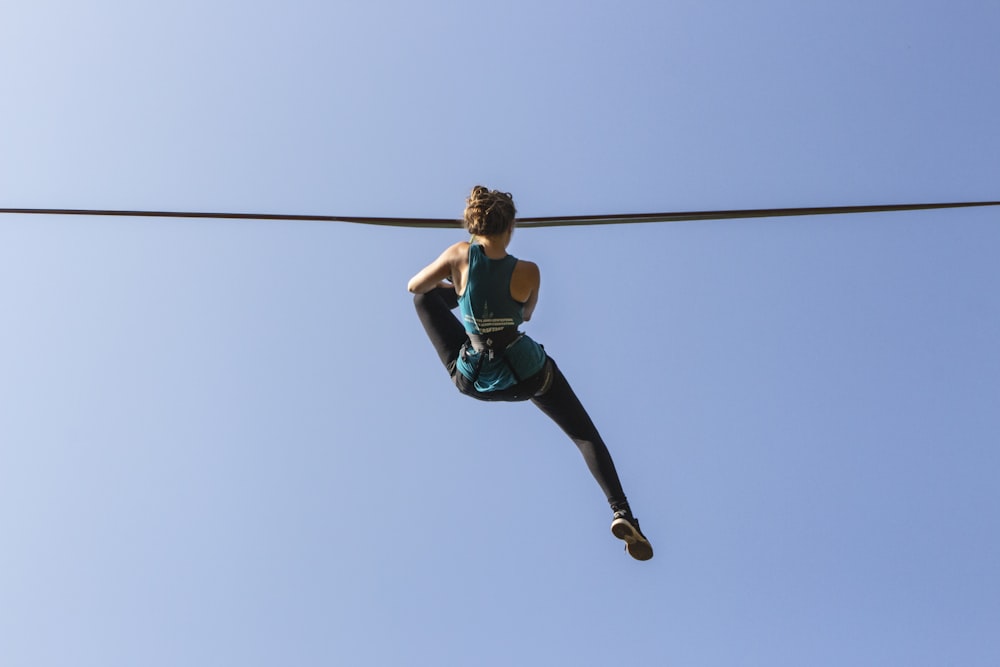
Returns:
(626, 527)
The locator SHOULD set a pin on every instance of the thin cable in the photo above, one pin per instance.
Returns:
(556, 221)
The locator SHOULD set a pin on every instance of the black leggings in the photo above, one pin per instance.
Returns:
(548, 389)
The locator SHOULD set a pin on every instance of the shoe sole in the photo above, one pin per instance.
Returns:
(638, 546)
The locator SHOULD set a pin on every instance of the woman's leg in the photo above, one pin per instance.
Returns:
(445, 331)
(559, 401)
(561, 404)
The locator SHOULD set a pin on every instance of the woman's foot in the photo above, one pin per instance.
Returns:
(626, 527)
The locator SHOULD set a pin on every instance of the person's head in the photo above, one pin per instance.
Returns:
(489, 212)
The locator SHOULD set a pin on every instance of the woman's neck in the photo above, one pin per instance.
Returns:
(494, 246)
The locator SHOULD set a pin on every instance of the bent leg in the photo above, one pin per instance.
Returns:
(446, 333)
(561, 404)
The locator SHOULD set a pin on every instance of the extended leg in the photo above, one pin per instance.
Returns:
(561, 404)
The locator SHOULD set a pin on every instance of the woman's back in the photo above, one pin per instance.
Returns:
(491, 316)
(486, 303)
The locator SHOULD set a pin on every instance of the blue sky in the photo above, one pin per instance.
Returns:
(229, 443)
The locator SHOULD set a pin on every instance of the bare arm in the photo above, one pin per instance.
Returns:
(528, 282)
(434, 274)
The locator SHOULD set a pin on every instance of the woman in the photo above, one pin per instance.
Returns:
(489, 359)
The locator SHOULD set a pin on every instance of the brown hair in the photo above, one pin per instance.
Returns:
(489, 212)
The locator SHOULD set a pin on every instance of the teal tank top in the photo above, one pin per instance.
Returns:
(487, 307)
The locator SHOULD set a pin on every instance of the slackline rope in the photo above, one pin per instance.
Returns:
(556, 221)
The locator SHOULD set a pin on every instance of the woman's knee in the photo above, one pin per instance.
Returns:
(420, 301)
(443, 298)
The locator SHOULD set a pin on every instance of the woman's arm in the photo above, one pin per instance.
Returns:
(524, 284)
(433, 275)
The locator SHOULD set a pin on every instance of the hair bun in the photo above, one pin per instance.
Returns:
(489, 212)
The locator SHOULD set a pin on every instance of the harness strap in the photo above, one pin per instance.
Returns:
(497, 340)
(489, 345)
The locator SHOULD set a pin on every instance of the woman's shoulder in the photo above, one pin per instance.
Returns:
(526, 268)
(458, 251)
(524, 281)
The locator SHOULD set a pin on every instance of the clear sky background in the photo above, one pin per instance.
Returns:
(229, 443)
